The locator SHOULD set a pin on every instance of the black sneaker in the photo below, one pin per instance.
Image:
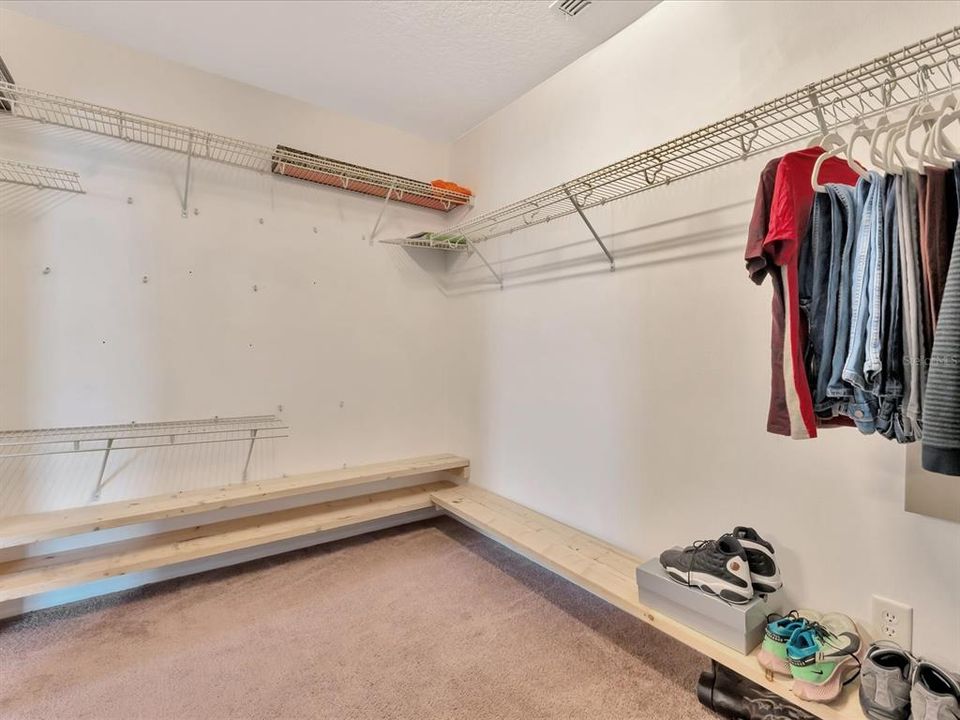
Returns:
(764, 573)
(718, 567)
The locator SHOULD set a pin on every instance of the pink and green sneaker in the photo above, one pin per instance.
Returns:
(824, 657)
(773, 652)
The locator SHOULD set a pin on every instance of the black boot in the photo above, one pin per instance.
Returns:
(733, 696)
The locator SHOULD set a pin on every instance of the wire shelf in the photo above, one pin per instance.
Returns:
(45, 178)
(79, 115)
(131, 436)
(928, 67)
(433, 241)
(136, 436)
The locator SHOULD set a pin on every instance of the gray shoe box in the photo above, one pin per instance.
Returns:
(737, 626)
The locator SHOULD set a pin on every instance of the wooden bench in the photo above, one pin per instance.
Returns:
(25, 529)
(33, 575)
(609, 573)
(22, 577)
(599, 567)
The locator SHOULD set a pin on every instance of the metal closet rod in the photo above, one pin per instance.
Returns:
(186, 430)
(38, 176)
(925, 68)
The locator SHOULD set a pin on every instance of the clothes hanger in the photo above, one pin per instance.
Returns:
(949, 114)
(945, 147)
(883, 127)
(929, 149)
(832, 143)
(860, 131)
(833, 152)
(830, 140)
(893, 137)
(927, 157)
(924, 113)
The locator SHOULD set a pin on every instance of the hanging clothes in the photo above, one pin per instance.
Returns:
(912, 300)
(938, 219)
(941, 424)
(866, 301)
(890, 421)
(786, 207)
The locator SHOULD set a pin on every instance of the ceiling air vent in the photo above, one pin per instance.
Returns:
(570, 8)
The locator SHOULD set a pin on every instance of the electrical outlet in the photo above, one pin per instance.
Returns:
(893, 621)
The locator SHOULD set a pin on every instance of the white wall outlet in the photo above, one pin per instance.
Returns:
(893, 621)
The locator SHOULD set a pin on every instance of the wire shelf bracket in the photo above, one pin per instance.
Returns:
(895, 80)
(107, 439)
(186, 181)
(473, 248)
(579, 209)
(383, 209)
(43, 178)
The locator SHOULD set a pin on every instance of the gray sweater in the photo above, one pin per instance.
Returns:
(941, 403)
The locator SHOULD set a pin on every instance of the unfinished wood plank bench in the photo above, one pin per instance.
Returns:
(598, 567)
(44, 572)
(609, 573)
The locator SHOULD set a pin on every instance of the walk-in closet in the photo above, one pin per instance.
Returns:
(479, 359)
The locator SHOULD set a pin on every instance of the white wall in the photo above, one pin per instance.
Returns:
(335, 320)
(630, 405)
(633, 405)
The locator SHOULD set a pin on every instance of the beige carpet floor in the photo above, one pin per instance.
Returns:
(427, 621)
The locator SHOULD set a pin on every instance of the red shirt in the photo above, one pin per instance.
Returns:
(788, 218)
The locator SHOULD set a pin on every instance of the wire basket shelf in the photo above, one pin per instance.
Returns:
(136, 436)
(926, 68)
(44, 178)
(88, 117)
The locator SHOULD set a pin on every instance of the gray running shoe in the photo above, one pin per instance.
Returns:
(935, 694)
(885, 683)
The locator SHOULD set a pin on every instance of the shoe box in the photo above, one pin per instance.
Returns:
(737, 626)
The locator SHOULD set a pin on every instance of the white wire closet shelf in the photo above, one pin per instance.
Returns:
(928, 67)
(79, 115)
(44, 178)
(136, 436)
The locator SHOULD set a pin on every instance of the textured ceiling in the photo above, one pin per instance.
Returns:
(433, 67)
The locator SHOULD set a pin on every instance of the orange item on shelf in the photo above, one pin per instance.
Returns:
(452, 186)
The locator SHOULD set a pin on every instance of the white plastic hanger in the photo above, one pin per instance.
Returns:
(925, 113)
(929, 153)
(944, 147)
(861, 131)
(884, 126)
(828, 141)
(949, 113)
(838, 145)
(897, 131)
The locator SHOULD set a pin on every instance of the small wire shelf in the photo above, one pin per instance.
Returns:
(433, 241)
(88, 117)
(324, 171)
(136, 436)
(44, 178)
(926, 68)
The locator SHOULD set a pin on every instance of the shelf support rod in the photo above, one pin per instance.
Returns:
(473, 248)
(246, 465)
(576, 205)
(186, 182)
(103, 468)
(383, 209)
